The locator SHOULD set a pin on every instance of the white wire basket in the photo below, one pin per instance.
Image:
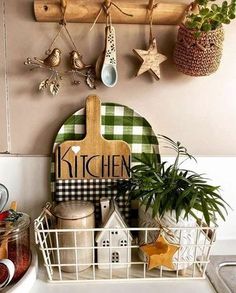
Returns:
(133, 267)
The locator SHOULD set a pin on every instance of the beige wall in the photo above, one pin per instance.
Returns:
(3, 91)
(200, 112)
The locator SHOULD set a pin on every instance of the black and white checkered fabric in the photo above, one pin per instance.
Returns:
(92, 190)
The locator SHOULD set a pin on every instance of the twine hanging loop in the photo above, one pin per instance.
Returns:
(151, 7)
(105, 7)
(164, 228)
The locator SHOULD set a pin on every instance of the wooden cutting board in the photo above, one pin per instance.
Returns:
(93, 157)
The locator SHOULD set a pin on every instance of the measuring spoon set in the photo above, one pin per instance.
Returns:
(106, 69)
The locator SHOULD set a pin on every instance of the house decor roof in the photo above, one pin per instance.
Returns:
(114, 211)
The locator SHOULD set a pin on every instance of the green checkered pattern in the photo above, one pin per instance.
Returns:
(118, 122)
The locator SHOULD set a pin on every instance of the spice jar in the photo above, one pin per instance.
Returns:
(79, 251)
(15, 245)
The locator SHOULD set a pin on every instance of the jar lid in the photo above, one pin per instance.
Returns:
(74, 209)
(14, 228)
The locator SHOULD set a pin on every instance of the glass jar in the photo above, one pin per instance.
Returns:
(15, 246)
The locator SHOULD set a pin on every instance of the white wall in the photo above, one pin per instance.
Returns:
(27, 181)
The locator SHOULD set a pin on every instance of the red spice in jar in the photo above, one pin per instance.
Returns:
(18, 242)
(21, 257)
(3, 273)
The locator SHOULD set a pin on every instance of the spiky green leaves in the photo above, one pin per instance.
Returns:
(166, 187)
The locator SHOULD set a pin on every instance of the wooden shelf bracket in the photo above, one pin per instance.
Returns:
(85, 11)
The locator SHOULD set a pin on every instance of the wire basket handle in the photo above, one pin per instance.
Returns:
(37, 222)
(209, 233)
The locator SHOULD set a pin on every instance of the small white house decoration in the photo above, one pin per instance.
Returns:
(113, 246)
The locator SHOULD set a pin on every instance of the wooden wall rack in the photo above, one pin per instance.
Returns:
(85, 11)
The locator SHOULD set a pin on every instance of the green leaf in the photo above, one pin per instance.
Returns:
(197, 18)
(182, 196)
(224, 4)
(226, 21)
(214, 7)
(166, 187)
(210, 15)
(191, 204)
(204, 11)
(193, 214)
(149, 202)
(178, 212)
(156, 206)
(202, 2)
(205, 211)
(218, 210)
(215, 24)
(206, 27)
(219, 17)
(197, 34)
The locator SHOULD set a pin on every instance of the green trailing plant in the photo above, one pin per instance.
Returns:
(210, 16)
(167, 187)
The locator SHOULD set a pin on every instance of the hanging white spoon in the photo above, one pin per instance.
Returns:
(100, 60)
(109, 75)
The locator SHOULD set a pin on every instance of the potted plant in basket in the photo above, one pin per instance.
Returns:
(200, 37)
(173, 197)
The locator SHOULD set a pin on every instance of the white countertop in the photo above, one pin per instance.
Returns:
(179, 286)
(120, 286)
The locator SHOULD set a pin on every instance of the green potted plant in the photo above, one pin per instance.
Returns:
(171, 196)
(200, 37)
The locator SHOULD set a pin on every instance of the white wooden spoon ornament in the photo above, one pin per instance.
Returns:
(109, 74)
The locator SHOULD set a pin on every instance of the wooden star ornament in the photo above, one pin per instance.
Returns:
(160, 253)
(151, 59)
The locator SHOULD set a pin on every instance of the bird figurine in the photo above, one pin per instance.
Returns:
(77, 62)
(52, 60)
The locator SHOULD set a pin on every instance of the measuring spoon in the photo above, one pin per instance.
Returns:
(100, 60)
(109, 74)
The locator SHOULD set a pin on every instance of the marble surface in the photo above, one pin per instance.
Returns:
(222, 273)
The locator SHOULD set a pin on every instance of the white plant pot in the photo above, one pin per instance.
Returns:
(183, 237)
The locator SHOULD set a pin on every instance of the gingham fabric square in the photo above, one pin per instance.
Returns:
(92, 190)
(118, 122)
